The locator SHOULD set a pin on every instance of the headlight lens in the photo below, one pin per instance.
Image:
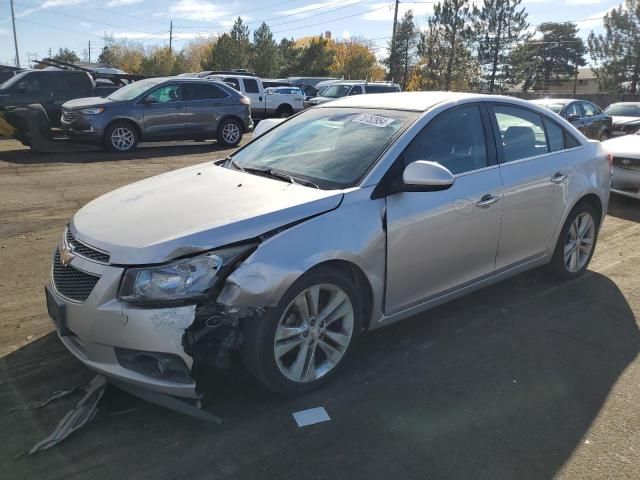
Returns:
(185, 279)
(92, 111)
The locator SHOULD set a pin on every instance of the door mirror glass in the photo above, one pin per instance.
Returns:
(573, 118)
(149, 100)
(422, 175)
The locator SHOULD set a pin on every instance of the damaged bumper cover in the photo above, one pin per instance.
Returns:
(165, 349)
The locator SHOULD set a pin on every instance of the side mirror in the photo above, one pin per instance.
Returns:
(572, 118)
(424, 176)
(149, 100)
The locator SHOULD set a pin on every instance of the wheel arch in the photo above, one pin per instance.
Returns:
(232, 117)
(133, 123)
(359, 279)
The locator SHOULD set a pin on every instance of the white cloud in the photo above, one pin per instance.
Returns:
(85, 25)
(198, 10)
(61, 3)
(594, 20)
(346, 35)
(582, 2)
(140, 35)
(315, 8)
(120, 3)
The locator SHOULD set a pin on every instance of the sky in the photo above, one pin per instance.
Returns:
(51, 24)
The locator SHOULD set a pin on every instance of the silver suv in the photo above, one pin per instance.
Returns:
(159, 109)
(342, 219)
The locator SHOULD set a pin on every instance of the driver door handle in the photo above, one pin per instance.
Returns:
(558, 177)
(487, 200)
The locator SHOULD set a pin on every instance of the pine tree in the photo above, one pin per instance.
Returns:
(617, 52)
(402, 53)
(266, 61)
(499, 25)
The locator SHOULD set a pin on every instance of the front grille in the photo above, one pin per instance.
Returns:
(71, 282)
(69, 116)
(82, 250)
(627, 162)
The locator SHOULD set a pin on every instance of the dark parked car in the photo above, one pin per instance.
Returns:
(625, 116)
(585, 116)
(158, 109)
(49, 88)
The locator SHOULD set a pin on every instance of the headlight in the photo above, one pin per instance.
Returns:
(185, 279)
(92, 111)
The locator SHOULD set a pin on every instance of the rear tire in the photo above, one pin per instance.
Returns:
(284, 111)
(576, 243)
(229, 133)
(121, 137)
(303, 342)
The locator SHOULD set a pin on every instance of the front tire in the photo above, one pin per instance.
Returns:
(576, 243)
(121, 137)
(284, 111)
(229, 133)
(304, 341)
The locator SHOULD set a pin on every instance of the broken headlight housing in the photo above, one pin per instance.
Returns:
(181, 280)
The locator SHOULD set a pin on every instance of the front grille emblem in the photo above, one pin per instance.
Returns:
(626, 161)
(66, 256)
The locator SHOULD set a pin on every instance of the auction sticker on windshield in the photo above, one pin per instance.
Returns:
(373, 120)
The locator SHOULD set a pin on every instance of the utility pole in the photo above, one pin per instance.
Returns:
(393, 39)
(170, 36)
(49, 52)
(15, 36)
(89, 55)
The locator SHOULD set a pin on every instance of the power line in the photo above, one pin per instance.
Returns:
(254, 22)
(333, 20)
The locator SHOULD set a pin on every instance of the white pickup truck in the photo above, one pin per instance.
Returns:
(264, 103)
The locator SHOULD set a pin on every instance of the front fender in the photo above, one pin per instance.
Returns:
(353, 233)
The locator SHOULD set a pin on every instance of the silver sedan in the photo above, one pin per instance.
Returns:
(342, 219)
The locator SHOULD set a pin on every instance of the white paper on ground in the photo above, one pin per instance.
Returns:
(311, 416)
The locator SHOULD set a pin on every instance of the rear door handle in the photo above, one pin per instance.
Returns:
(487, 200)
(558, 178)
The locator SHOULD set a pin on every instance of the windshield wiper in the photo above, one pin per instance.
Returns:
(269, 172)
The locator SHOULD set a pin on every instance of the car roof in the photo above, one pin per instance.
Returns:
(417, 101)
(626, 103)
(547, 101)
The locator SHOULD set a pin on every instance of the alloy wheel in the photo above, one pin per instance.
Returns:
(314, 333)
(231, 133)
(122, 139)
(579, 242)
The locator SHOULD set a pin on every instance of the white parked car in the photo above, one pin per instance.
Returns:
(264, 103)
(626, 164)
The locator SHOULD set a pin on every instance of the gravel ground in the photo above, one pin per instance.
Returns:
(529, 378)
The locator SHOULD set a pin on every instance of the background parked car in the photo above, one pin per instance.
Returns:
(262, 105)
(626, 164)
(625, 117)
(160, 109)
(284, 91)
(346, 88)
(585, 116)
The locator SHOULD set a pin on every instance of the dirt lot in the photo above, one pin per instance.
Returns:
(526, 379)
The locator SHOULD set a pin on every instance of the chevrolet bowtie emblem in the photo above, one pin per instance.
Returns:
(66, 256)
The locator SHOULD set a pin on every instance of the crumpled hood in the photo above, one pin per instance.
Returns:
(191, 210)
(625, 146)
(617, 120)
(88, 102)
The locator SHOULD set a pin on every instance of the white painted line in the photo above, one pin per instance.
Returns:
(311, 416)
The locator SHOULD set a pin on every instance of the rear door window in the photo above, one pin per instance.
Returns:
(521, 131)
(200, 91)
(573, 110)
(555, 134)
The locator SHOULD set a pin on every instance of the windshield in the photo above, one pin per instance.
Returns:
(554, 107)
(622, 110)
(336, 91)
(331, 147)
(131, 91)
(12, 81)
